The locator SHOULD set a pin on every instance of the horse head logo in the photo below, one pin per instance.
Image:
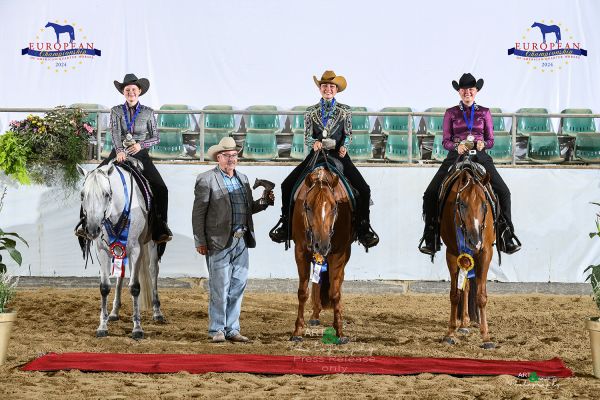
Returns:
(58, 29)
(548, 29)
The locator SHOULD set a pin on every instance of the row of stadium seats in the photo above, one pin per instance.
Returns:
(260, 142)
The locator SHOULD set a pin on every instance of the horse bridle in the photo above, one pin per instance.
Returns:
(110, 194)
(460, 205)
(309, 230)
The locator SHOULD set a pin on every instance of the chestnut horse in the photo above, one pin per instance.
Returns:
(321, 224)
(467, 211)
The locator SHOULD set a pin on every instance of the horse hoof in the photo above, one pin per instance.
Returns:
(314, 322)
(137, 335)
(449, 340)
(343, 340)
(160, 319)
(463, 331)
(488, 345)
(113, 317)
(296, 339)
(101, 333)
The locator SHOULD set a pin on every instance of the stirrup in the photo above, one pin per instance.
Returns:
(425, 249)
(367, 236)
(279, 233)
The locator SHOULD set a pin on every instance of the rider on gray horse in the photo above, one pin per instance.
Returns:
(134, 131)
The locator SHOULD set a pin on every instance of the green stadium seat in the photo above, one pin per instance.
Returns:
(587, 147)
(396, 130)
(361, 148)
(543, 147)
(261, 142)
(435, 124)
(181, 122)
(299, 150)
(216, 126)
(396, 147)
(498, 121)
(528, 125)
(502, 150)
(170, 146)
(438, 152)
(171, 128)
(573, 126)
(107, 145)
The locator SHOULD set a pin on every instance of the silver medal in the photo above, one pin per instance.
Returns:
(325, 133)
(470, 138)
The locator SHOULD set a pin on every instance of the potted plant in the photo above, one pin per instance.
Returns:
(8, 285)
(593, 323)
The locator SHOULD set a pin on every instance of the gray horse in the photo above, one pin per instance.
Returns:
(103, 199)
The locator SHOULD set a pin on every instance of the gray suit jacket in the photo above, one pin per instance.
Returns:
(212, 213)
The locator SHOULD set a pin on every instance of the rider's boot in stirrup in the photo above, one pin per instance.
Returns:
(366, 235)
(279, 234)
(429, 239)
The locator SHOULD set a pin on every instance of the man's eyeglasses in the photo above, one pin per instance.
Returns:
(229, 156)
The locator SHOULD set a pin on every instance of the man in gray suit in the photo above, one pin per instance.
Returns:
(223, 232)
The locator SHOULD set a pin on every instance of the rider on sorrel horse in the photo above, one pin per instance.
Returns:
(467, 229)
(331, 121)
(322, 228)
(468, 119)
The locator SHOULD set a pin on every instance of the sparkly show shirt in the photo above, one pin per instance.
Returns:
(144, 127)
(455, 127)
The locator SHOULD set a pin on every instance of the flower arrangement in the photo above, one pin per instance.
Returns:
(46, 149)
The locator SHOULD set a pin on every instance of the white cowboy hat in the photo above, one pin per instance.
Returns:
(226, 144)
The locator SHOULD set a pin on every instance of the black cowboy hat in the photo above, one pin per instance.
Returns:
(131, 79)
(467, 81)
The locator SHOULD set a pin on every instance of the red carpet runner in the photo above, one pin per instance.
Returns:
(302, 365)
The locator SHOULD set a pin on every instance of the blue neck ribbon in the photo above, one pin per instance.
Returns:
(130, 124)
(326, 113)
(470, 121)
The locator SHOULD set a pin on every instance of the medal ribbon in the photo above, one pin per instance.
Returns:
(472, 119)
(131, 124)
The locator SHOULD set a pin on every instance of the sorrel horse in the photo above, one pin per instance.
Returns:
(107, 192)
(321, 225)
(468, 218)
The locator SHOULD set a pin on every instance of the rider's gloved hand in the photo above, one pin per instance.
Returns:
(461, 149)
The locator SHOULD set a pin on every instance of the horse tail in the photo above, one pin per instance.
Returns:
(145, 297)
(324, 291)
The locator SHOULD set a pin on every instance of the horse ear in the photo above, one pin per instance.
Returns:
(81, 171)
(336, 180)
(486, 179)
(309, 180)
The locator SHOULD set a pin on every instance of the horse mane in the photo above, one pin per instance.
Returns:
(94, 185)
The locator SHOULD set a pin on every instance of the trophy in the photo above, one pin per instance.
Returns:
(129, 141)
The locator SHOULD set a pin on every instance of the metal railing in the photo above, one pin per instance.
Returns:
(409, 114)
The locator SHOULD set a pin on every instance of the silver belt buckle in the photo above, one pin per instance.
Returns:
(239, 233)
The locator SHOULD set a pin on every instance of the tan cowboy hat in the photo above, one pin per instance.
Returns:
(131, 79)
(331, 77)
(226, 144)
